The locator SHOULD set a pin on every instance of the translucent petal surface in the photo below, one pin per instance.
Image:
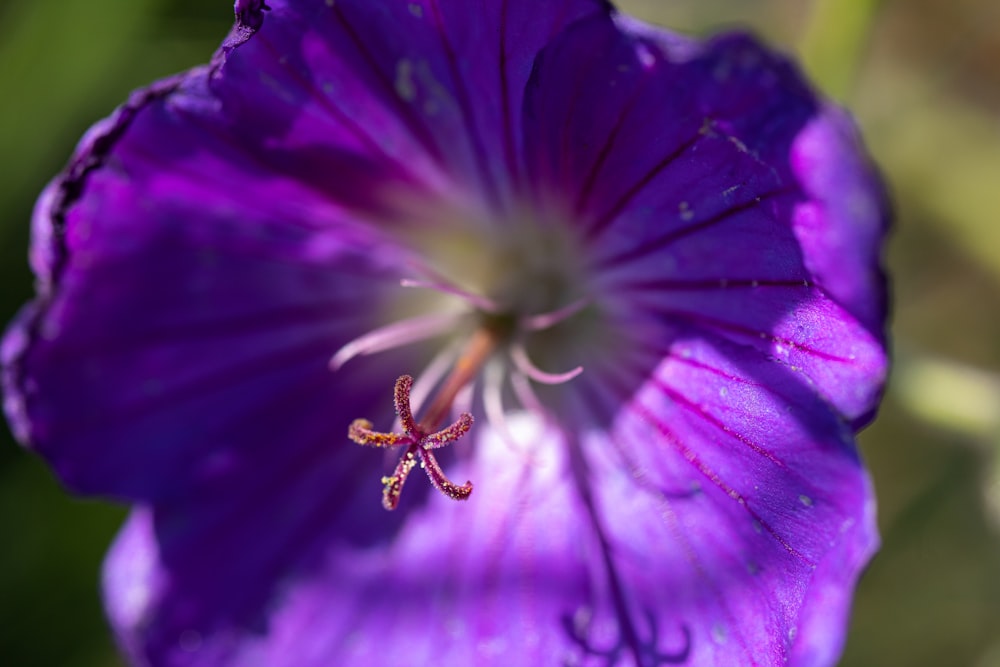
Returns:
(842, 224)
(752, 492)
(610, 551)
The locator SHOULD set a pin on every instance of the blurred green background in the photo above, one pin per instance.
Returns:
(923, 77)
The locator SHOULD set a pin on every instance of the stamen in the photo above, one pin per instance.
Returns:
(397, 334)
(479, 301)
(519, 356)
(547, 320)
(493, 403)
(525, 394)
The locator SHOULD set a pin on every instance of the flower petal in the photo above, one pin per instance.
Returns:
(677, 157)
(626, 548)
(482, 580)
(219, 238)
(843, 223)
(187, 582)
(191, 295)
(749, 490)
(409, 79)
(793, 323)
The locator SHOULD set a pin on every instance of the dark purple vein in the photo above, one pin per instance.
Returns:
(468, 117)
(601, 222)
(587, 186)
(508, 128)
(673, 441)
(702, 320)
(198, 387)
(652, 246)
(708, 284)
(266, 321)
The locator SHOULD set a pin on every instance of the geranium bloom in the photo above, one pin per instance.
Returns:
(636, 273)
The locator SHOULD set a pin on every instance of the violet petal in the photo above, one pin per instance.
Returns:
(704, 529)
(216, 240)
(190, 296)
(678, 162)
(735, 503)
(405, 79)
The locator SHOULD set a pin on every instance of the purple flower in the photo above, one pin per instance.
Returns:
(646, 266)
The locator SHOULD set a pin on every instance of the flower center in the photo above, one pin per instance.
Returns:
(422, 438)
(518, 284)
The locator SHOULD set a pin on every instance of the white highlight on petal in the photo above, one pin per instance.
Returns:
(130, 572)
(541, 446)
(520, 358)
(397, 334)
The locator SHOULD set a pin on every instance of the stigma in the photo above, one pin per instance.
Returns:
(420, 439)
(420, 443)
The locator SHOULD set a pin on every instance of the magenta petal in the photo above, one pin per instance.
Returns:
(195, 580)
(842, 224)
(614, 104)
(492, 580)
(750, 515)
(791, 322)
(841, 213)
